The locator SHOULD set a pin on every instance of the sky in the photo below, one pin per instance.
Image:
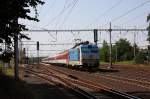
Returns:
(87, 14)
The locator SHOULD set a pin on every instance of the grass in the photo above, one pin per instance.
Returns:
(8, 70)
(1, 66)
(125, 62)
(101, 62)
(122, 62)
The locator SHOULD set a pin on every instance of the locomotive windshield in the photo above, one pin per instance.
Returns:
(85, 50)
(89, 49)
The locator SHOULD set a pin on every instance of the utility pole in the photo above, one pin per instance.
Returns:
(110, 47)
(134, 43)
(16, 56)
(38, 52)
(16, 52)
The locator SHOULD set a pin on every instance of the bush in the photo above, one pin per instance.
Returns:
(139, 58)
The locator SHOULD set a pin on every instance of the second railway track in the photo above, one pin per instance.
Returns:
(143, 84)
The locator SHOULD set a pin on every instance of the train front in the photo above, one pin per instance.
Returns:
(89, 55)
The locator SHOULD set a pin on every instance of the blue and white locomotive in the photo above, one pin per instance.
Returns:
(82, 55)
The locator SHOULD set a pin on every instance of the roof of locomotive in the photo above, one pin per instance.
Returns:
(82, 44)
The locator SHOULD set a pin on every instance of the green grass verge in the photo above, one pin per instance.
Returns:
(126, 62)
(8, 70)
(103, 62)
(0, 66)
(122, 62)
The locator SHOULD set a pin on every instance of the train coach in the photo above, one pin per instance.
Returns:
(82, 55)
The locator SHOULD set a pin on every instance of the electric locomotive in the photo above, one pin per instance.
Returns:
(82, 55)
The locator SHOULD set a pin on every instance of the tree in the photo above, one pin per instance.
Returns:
(104, 52)
(141, 57)
(124, 50)
(10, 12)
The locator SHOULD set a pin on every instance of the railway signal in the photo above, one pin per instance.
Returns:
(95, 36)
(38, 51)
(37, 43)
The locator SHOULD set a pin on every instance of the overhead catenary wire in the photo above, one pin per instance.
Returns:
(85, 30)
(47, 10)
(134, 18)
(129, 11)
(45, 50)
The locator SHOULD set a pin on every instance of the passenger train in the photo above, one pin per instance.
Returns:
(82, 55)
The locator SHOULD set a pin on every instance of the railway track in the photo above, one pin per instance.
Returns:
(125, 80)
(82, 86)
(48, 77)
(136, 73)
(139, 83)
(140, 76)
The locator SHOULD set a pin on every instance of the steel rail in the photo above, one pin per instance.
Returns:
(101, 87)
(71, 86)
(132, 81)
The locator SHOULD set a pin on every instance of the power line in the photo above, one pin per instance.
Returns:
(129, 11)
(106, 12)
(51, 6)
(70, 11)
(44, 14)
(73, 2)
(134, 18)
(60, 13)
(51, 44)
(45, 50)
